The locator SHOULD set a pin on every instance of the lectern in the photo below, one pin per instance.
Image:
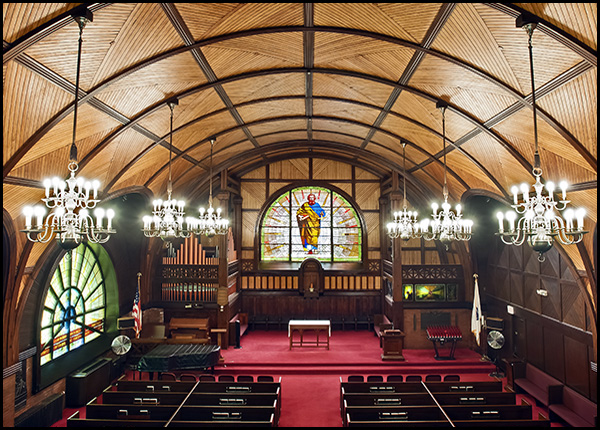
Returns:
(393, 342)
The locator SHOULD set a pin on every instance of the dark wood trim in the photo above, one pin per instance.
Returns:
(590, 55)
(575, 333)
(16, 157)
(14, 49)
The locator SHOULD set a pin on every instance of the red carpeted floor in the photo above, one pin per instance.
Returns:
(310, 376)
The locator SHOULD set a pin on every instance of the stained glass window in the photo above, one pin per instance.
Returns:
(75, 306)
(311, 222)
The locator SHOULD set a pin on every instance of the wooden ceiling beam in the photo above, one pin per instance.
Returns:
(434, 29)
(587, 53)
(16, 48)
(187, 37)
(90, 95)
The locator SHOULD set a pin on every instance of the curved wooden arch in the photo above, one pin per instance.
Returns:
(301, 151)
(25, 148)
(10, 292)
(350, 148)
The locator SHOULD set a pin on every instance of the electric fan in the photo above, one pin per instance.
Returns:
(495, 340)
(121, 345)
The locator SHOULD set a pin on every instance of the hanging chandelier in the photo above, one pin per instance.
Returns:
(70, 201)
(446, 225)
(541, 222)
(210, 222)
(405, 224)
(167, 220)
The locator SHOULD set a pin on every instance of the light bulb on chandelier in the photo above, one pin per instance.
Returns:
(69, 201)
(541, 222)
(167, 220)
(446, 225)
(210, 222)
(405, 224)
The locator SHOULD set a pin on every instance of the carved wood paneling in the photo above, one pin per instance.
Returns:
(554, 355)
(551, 303)
(516, 288)
(573, 306)
(577, 369)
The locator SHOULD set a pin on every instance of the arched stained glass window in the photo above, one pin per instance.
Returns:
(311, 222)
(75, 306)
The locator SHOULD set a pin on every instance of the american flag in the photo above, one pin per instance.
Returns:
(137, 310)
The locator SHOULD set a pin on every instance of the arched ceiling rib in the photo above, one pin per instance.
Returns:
(361, 128)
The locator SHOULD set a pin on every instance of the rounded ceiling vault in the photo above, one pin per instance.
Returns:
(272, 81)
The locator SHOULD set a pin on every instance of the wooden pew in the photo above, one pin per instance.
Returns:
(186, 413)
(433, 413)
(417, 387)
(75, 421)
(424, 399)
(502, 423)
(205, 393)
(204, 387)
(438, 423)
(168, 398)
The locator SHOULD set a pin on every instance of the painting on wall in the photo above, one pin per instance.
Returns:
(430, 292)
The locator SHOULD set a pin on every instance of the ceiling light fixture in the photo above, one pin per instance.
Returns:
(210, 222)
(167, 221)
(64, 198)
(541, 222)
(405, 224)
(447, 225)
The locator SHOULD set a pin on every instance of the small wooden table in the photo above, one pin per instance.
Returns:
(315, 325)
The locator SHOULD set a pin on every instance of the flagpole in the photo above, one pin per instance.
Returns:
(476, 313)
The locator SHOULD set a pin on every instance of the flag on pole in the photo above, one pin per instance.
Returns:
(137, 310)
(476, 314)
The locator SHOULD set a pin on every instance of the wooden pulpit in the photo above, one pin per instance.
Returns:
(392, 342)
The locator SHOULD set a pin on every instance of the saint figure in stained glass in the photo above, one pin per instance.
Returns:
(309, 221)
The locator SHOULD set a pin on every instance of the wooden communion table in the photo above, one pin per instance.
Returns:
(316, 325)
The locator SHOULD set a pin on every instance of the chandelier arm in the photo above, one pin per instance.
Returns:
(73, 153)
(530, 27)
(445, 190)
(404, 173)
(169, 185)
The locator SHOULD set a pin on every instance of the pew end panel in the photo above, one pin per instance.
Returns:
(536, 383)
(573, 408)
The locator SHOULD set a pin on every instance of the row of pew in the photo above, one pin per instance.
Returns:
(432, 404)
(183, 404)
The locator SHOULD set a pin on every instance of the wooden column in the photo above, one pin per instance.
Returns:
(222, 292)
(397, 306)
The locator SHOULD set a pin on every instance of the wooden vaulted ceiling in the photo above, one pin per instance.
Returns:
(271, 81)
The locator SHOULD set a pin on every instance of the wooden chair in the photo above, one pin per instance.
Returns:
(226, 378)
(356, 378)
(433, 378)
(374, 378)
(451, 378)
(413, 378)
(395, 378)
(168, 376)
(188, 377)
(245, 378)
(207, 378)
(264, 378)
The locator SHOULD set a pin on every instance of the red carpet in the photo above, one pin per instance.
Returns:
(311, 376)
(349, 352)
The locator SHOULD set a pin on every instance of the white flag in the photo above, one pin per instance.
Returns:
(476, 315)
